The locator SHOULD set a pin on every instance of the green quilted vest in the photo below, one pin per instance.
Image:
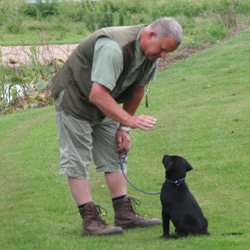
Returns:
(75, 75)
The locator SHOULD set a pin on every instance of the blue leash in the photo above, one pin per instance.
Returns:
(122, 159)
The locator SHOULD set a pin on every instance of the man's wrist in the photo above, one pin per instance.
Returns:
(127, 129)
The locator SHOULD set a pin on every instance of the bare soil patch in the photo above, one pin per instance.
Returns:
(180, 54)
(15, 54)
(12, 55)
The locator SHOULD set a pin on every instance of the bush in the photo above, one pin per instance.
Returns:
(29, 84)
(55, 18)
(40, 9)
(216, 31)
(3, 16)
(15, 26)
(242, 6)
(96, 15)
(29, 10)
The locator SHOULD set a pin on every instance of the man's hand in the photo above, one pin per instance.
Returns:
(142, 121)
(123, 141)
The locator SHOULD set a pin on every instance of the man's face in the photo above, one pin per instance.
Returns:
(155, 48)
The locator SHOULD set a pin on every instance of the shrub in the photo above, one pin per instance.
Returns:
(15, 26)
(3, 16)
(214, 31)
(29, 85)
(40, 8)
(29, 10)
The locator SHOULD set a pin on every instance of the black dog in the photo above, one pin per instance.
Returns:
(178, 204)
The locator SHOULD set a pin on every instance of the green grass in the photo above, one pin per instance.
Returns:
(202, 107)
(197, 30)
(204, 21)
(44, 32)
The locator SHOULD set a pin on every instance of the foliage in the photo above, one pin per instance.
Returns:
(69, 22)
(95, 15)
(202, 108)
(40, 9)
(215, 32)
(28, 85)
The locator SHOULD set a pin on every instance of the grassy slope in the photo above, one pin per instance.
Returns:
(202, 106)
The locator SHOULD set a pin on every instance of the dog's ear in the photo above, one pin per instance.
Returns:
(188, 166)
(169, 166)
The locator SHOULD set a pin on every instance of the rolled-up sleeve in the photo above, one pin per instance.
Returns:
(107, 62)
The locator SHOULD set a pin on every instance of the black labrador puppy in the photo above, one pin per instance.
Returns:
(178, 204)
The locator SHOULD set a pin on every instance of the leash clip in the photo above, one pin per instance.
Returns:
(177, 182)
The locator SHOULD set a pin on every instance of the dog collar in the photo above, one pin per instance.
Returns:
(177, 182)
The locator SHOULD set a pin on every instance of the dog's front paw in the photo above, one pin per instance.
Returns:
(169, 236)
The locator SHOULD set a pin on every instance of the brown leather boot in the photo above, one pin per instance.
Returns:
(92, 222)
(126, 217)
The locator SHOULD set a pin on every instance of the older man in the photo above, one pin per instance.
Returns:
(109, 67)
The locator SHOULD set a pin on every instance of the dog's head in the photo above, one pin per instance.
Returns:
(176, 166)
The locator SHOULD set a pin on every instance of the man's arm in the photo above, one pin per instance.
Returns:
(132, 105)
(99, 95)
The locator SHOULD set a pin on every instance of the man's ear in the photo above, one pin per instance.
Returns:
(152, 33)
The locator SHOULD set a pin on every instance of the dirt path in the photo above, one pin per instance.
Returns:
(12, 55)
(15, 54)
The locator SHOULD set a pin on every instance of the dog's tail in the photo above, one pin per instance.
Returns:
(232, 234)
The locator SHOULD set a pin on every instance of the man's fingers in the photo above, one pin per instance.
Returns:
(146, 122)
(151, 122)
(122, 150)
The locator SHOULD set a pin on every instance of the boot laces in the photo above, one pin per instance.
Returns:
(100, 211)
(96, 213)
(132, 203)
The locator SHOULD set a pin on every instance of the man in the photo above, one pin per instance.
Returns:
(109, 67)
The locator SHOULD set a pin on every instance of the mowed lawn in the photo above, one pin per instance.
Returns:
(203, 109)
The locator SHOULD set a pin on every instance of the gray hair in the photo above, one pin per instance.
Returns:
(167, 27)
